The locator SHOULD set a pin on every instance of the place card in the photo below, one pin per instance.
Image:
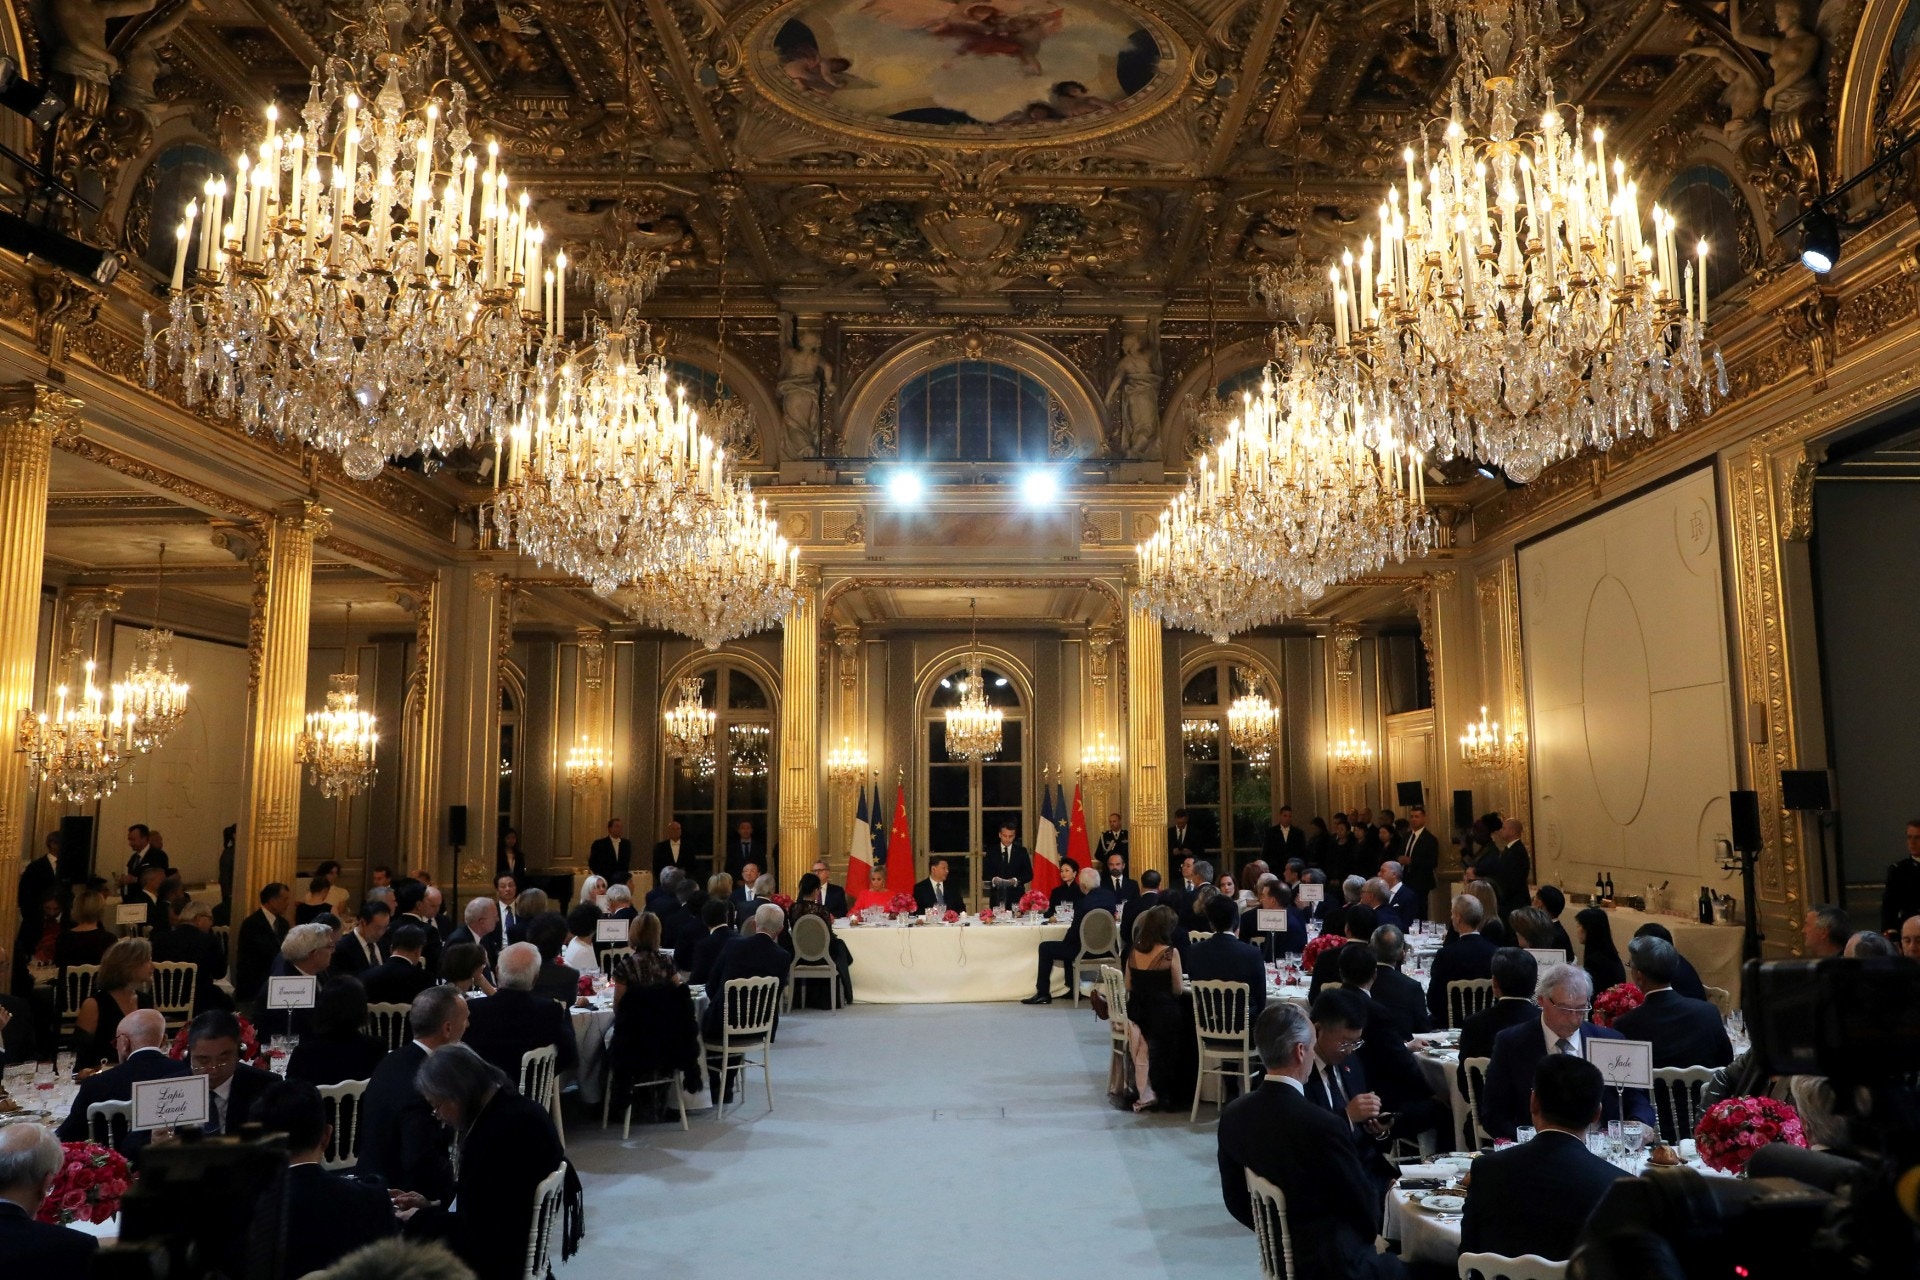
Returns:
(130, 913)
(296, 992)
(173, 1103)
(1309, 893)
(1624, 1064)
(614, 930)
(1544, 956)
(1270, 919)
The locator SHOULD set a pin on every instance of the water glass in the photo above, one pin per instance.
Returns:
(1616, 1140)
(64, 1063)
(1635, 1133)
(1523, 1133)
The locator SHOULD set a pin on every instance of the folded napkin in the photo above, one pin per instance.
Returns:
(1434, 1037)
(1427, 1170)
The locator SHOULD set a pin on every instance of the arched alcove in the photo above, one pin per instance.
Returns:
(870, 424)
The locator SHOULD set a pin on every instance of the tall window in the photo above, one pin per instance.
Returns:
(509, 759)
(1228, 801)
(967, 800)
(973, 411)
(736, 785)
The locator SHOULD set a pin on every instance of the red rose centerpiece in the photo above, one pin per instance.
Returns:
(88, 1188)
(986, 915)
(1320, 946)
(952, 917)
(585, 986)
(1731, 1131)
(1034, 900)
(1616, 1000)
(781, 901)
(901, 904)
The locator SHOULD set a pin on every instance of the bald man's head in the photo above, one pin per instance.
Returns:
(142, 1029)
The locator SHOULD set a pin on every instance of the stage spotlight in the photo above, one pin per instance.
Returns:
(36, 102)
(905, 487)
(1040, 487)
(19, 236)
(1819, 240)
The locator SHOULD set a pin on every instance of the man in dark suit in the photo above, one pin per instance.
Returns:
(1565, 997)
(139, 1042)
(403, 974)
(1419, 858)
(1686, 978)
(1094, 896)
(260, 936)
(403, 1145)
(1224, 958)
(1182, 839)
(1514, 974)
(1360, 926)
(1534, 1197)
(1468, 956)
(233, 1087)
(332, 1214)
(193, 942)
(480, 923)
(757, 955)
(611, 857)
(513, 1021)
(936, 890)
(1513, 867)
(1116, 878)
(1400, 896)
(672, 851)
(1008, 870)
(142, 853)
(1385, 1058)
(1142, 902)
(31, 1155)
(1338, 1081)
(743, 848)
(1685, 1032)
(663, 897)
(717, 918)
(1283, 841)
(1393, 988)
(419, 904)
(830, 895)
(359, 948)
(748, 893)
(1901, 898)
(42, 877)
(1275, 1133)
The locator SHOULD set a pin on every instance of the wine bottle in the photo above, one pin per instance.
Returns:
(1609, 886)
(1599, 888)
(1705, 909)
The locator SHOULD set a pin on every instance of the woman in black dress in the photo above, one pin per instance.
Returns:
(1159, 1026)
(510, 861)
(336, 1048)
(317, 901)
(1598, 956)
(124, 984)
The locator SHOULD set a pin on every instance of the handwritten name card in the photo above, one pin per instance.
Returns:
(296, 992)
(614, 930)
(1308, 894)
(1624, 1064)
(170, 1104)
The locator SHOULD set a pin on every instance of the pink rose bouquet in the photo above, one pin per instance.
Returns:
(88, 1187)
(901, 904)
(1034, 900)
(1731, 1131)
(1615, 1000)
(1320, 946)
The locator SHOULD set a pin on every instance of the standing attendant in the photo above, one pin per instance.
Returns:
(1009, 868)
(43, 878)
(260, 937)
(1181, 839)
(672, 851)
(142, 852)
(1284, 842)
(1114, 838)
(1902, 896)
(743, 848)
(511, 860)
(611, 857)
(1419, 858)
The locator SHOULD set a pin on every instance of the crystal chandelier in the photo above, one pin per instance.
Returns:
(151, 694)
(745, 578)
(623, 276)
(1513, 308)
(340, 741)
(1510, 39)
(1200, 738)
(586, 764)
(1350, 755)
(689, 725)
(371, 291)
(1100, 762)
(1253, 723)
(79, 750)
(973, 727)
(846, 765)
(1484, 750)
(747, 750)
(1290, 290)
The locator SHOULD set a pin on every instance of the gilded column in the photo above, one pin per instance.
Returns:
(267, 846)
(799, 735)
(852, 736)
(474, 640)
(1146, 745)
(420, 728)
(31, 416)
(1348, 779)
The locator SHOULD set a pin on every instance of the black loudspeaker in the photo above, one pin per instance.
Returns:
(1463, 810)
(76, 849)
(1409, 793)
(457, 825)
(1746, 820)
(1805, 789)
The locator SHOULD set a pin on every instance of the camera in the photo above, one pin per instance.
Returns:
(202, 1207)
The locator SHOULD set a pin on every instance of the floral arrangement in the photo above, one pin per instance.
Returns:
(1621, 998)
(91, 1180)
(952, 917)
(1320, 946)
(585, 986)
(901, 904)
(781, 901)
(249, 1045)
(986, 915)
(1731, 1131)
(1034, 900)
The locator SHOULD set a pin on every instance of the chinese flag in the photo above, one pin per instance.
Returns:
(899, 848)
(1077, 847)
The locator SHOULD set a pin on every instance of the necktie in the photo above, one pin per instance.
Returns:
(219, 1121)
(1331, 1083)
(1563, 1045)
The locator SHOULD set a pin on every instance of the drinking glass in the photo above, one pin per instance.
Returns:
(1616, 1140)
(63, 1064)
(1635, 1132)
(1524, 1133)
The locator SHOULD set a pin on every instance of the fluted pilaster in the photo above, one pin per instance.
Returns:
(799, 737)
(1146, 746)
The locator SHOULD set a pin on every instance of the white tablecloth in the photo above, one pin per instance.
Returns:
(947, 964)
(1713, 949)
(590, 1030)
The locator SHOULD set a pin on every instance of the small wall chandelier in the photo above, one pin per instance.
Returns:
(1351, 755)
(846, 765)
(1484, 750)
(586, 765)
(689, 726)
(341, 740)
(150, 693)
(973, 727)
(78, 751)
(1100, 762)
(1253, 723)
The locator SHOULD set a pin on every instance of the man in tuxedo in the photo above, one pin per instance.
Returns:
(1399, 896)
(620, 903)
(1182, 839)
(1376, 894)
(1116, 878)
(415, 902)
(333, 1213)
(1113, 839)
(233, 1087)
(1224, 958)
(1513, 867)
(139, 1043)
(42, 878)
(1514, 973)
(1901, 898)
(749, 893)
(1388, 1064)
(1360, 924)
(30, 1156)
(193, 942)
(260, 936)
(1468, 956)
(403, 1145)
(513, 1021)
(142, 852)
(1276, 1133)
(743, 848)
(830, 895)
(1133, 908)
(935, 891)
(1393, 988)
(359, 948)
(1008, 869)
(480, 924)
(663, 896)
(611, 857)
(1686, 978)
(403, 974)
(1419, 858)
(672, 851)
(1565, 997)
(1685, 1032)
(717, 918)
(756, 955)
(1094, 896)
(1337, 1082)
(1283, 841)
(1534, 1197)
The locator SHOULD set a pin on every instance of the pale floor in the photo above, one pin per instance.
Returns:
(918, 1141)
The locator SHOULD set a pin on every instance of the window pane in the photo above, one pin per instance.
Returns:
(947, 785)
(1010, 740)
(947, 831)
(974, 411)
(744, 692)
(748, 793)
(1203, 785)
(692, 791)
(1203, 690)
(1000, 785)
(937, 738)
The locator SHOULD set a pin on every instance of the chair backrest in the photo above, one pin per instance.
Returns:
(1332, 986)
(225, 934)
(1677, 1099)
(811, 940)
(749, 1006)
(1475, 1070)
(388, 1024)
(1270, 1226)
(109, 1122)
(539, 1069)
(173, 983)
(342, 1103)
(1220, 1010)
(1198, 937)
(1466, 997)
(546, 1214)
(609, 954)
(1114, 982)
(1492, 1266)
(1722, 999)
(1099, 934)
(76, 984)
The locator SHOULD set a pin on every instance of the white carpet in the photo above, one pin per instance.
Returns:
(914, 1141)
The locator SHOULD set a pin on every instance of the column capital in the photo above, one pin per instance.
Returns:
(304, 516)
(35, 407)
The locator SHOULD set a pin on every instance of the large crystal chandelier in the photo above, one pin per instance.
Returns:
(1253, 723)
(973, 727)
(741, 578)
(1485, 750)
(372, 291)
(689, 725)
(1514, 308)
(622, 276)
(151, 693)
(77, 752)
(341, 739)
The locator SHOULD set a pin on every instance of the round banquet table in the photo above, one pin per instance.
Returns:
(1713, 949)
(947, 964)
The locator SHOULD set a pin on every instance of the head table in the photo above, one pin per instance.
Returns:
(946, 963)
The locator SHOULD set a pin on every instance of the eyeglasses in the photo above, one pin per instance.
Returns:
(1578, 1011)
(1352, 1046)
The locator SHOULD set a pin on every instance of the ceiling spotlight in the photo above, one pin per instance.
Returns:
(1040, 487)
(905, 487)
(17, 235)
(1819, 239)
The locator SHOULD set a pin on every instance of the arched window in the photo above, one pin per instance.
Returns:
(508, 792)
(1710, 207)
(735, 783)
(967, 800)
(972, 411)
(1229, 801)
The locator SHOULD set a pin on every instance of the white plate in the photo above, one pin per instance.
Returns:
(1443, 1204)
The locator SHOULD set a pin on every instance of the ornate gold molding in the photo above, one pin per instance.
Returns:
(1796, 515)
(196, 495)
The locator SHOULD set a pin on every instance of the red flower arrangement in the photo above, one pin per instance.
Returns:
(585, 986)
(1731, 1131)
(1320, 946)
(91, 1180)
(1615, 1000)
(249, 1045)
(781, 901)
(986, 915)
(952, 917)
(1034, 900)
(901, 904)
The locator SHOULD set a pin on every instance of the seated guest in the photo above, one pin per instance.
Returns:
(337, 896)
(307, 951)
(233, 1087)
(1514, 974)
(1534, 1197)
(403, 974)
(1550, 900)
(647, 964)
(1224, 958)
(935, 891)
(84, 941)
(1360, 927)
(829, 895)
(1598, 955)
(507, 918)
(513, 1021)
(123, 984)
(1334, 919)
(1148, 897)
(1159, 1023)
(139, 1044)
(1400, 895)
(419, 904)
(715, 917)
(1094, 896)
(336, 1213)
(1864, 945)
(662, 896)
(360, 950)
(480, 923)
(1468, 956)
(620, 902)
(655, 1033)
(402, 1143)
(1067, 893)
(1377, 894)
(1269, 894)
(463, 967)
(1565, 996)
(1825, 930)
(1684, 1032)
(336, 1046)
(1306, 1151)
(809, 903)
(317, 900)
(1492, 927)
(30, 1156)
(507, 1148)
(258, 944)
(192, 941)
(547, 933)
(1532, 928)
(1393, 988)
(1337, 1080)
(755, 955)
(578, 954)
(1686, 979)
(592, 889)
(39, 935)
(1384, 1056)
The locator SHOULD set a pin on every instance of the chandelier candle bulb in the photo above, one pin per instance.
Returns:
(180, 234)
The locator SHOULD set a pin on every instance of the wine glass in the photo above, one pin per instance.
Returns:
(1635, 1133)
(1616, 1140)
(63, 1064)
(1523, 1133)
